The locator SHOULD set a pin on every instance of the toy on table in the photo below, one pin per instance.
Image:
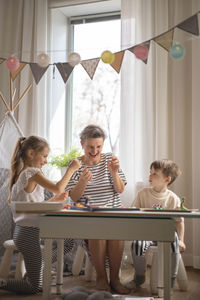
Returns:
(182, 204)
(158, 207)
(83, 205)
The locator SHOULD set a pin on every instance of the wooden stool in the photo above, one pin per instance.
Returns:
(7, 260)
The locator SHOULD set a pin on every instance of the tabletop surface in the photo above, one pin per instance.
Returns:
(126, 213)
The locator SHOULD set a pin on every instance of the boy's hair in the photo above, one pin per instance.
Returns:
(92, 132)
(20, 153)
(168, 168)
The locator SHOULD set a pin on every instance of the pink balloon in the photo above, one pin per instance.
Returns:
(12, 63)
(141, 52)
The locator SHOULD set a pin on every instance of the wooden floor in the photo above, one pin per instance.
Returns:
(193, 292)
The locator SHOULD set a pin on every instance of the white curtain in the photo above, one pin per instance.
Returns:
(23, 34)
(160, 105)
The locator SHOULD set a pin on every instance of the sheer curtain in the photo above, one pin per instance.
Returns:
(160, 104)
(23, 34)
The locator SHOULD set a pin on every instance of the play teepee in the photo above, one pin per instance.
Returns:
(9, 134)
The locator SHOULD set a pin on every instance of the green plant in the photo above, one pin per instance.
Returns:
(62, 160)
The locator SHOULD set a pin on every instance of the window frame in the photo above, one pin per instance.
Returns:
(69, 86)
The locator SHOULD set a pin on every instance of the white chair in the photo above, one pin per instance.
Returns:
(182, 278)
(7, 260)
(90, 273)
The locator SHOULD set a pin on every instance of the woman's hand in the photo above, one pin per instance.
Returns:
(77, 192)
(113, 165)
(86, 175)
(75, 164)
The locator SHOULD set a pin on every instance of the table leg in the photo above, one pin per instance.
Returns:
(164, 270)
(167, 271)
(160, 270)
(47, 269)
(60, 260)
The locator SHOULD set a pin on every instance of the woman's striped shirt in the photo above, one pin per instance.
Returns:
(100, 190)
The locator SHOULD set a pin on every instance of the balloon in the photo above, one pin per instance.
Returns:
(12, 63)
(74, 59)
(43, 60)
(177, 51)
(141, 52)
(108, 57)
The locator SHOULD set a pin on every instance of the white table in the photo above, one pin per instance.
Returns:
(131, 225)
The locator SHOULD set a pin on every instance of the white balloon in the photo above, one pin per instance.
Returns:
(43, 60)
(74, 59)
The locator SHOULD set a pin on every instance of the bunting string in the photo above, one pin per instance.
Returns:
(141, 51)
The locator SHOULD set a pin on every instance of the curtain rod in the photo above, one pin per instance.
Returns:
(63, 3)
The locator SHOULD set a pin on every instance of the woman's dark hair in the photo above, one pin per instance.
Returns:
(92, 132)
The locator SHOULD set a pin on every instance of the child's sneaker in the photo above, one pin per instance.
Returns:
(136, 282)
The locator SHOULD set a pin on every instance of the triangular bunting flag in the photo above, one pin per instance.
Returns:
(16, 72)
(146, 44)
(37, 71)
(165, 40)
(65, 70)
(132, 49)
(1, 60)
(190, 25)
(118, 61)
(90, 66)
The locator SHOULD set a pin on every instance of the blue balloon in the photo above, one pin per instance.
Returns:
(177, 51)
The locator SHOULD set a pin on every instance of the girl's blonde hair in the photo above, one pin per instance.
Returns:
(20, 154)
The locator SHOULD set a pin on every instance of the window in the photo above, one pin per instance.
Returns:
(83, 101)
(96, 101)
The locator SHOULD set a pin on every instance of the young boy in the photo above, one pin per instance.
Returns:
(162, 174)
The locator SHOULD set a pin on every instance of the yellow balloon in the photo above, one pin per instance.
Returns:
(108, 57)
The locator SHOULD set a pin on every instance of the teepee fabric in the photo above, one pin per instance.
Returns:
(9, 134)
(6, 220)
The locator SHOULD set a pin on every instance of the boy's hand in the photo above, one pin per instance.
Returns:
(75, 164)
(113, 165)
(182, 246)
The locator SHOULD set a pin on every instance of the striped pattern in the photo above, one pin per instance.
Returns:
(99, 190)
(68, 246)
(27, 240)
(139, 248)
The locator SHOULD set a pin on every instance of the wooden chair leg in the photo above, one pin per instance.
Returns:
(182, 278)
(78, 261)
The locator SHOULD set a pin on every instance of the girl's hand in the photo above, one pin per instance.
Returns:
(182, 246)
(86, 175)
(75, 164)
(113, 165)
(60, 197)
